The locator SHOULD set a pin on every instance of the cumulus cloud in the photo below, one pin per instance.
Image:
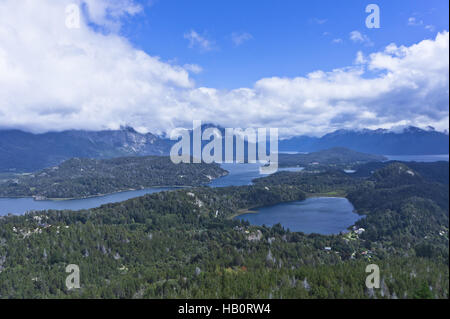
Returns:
(53, 77)
(108, 13)
(56, 78)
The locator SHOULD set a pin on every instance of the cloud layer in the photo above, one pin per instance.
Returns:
(55, 78)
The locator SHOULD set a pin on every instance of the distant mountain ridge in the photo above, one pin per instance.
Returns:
(410, 141)
(22, 151)
(25, 152)
(335, 156)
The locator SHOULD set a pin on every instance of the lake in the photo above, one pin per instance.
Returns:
(418, 158)
(321, 215)
(243, 174)
(22, 205)
(239, 175)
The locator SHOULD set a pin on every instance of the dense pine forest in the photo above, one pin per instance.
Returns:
(337, 157)
(82, 177)
(186, 244)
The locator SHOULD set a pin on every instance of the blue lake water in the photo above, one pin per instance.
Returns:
(243, 174)
(22, 205)
(320, 215)
(418, 158)
(404, 158)
(239, 174)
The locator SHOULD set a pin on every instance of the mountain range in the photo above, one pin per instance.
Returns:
(409, 141)
(25, 152)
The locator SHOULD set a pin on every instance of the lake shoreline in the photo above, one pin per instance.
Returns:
(40, 198)
(254, 209)
(90, 196)
(331, 215)
(37, 197)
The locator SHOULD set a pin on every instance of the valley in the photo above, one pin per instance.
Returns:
(185, 243)
(224, 154)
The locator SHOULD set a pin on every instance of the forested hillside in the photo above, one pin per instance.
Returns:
(184, 244)
(432, 171)
(81, 177)
(337, 157)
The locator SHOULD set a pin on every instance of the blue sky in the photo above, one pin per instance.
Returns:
(304, 67)
(288, 38)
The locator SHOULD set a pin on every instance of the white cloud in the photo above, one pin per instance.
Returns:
(196, 40)
(413, 22)
(55, 78)
(337, 41)
(239, 38)
(108, 13)
(358, 37)
(194, 68)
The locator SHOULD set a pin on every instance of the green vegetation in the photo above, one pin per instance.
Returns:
(183, 244)
(322, 182)
(77, 178)
(337, 157)
(432, 172)
(404, 211)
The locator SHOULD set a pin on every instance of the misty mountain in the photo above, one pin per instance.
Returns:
(410, 141)
(22, 151)
(25, 152)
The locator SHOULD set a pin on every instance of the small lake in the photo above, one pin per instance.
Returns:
(320, 215)
(19, 206)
